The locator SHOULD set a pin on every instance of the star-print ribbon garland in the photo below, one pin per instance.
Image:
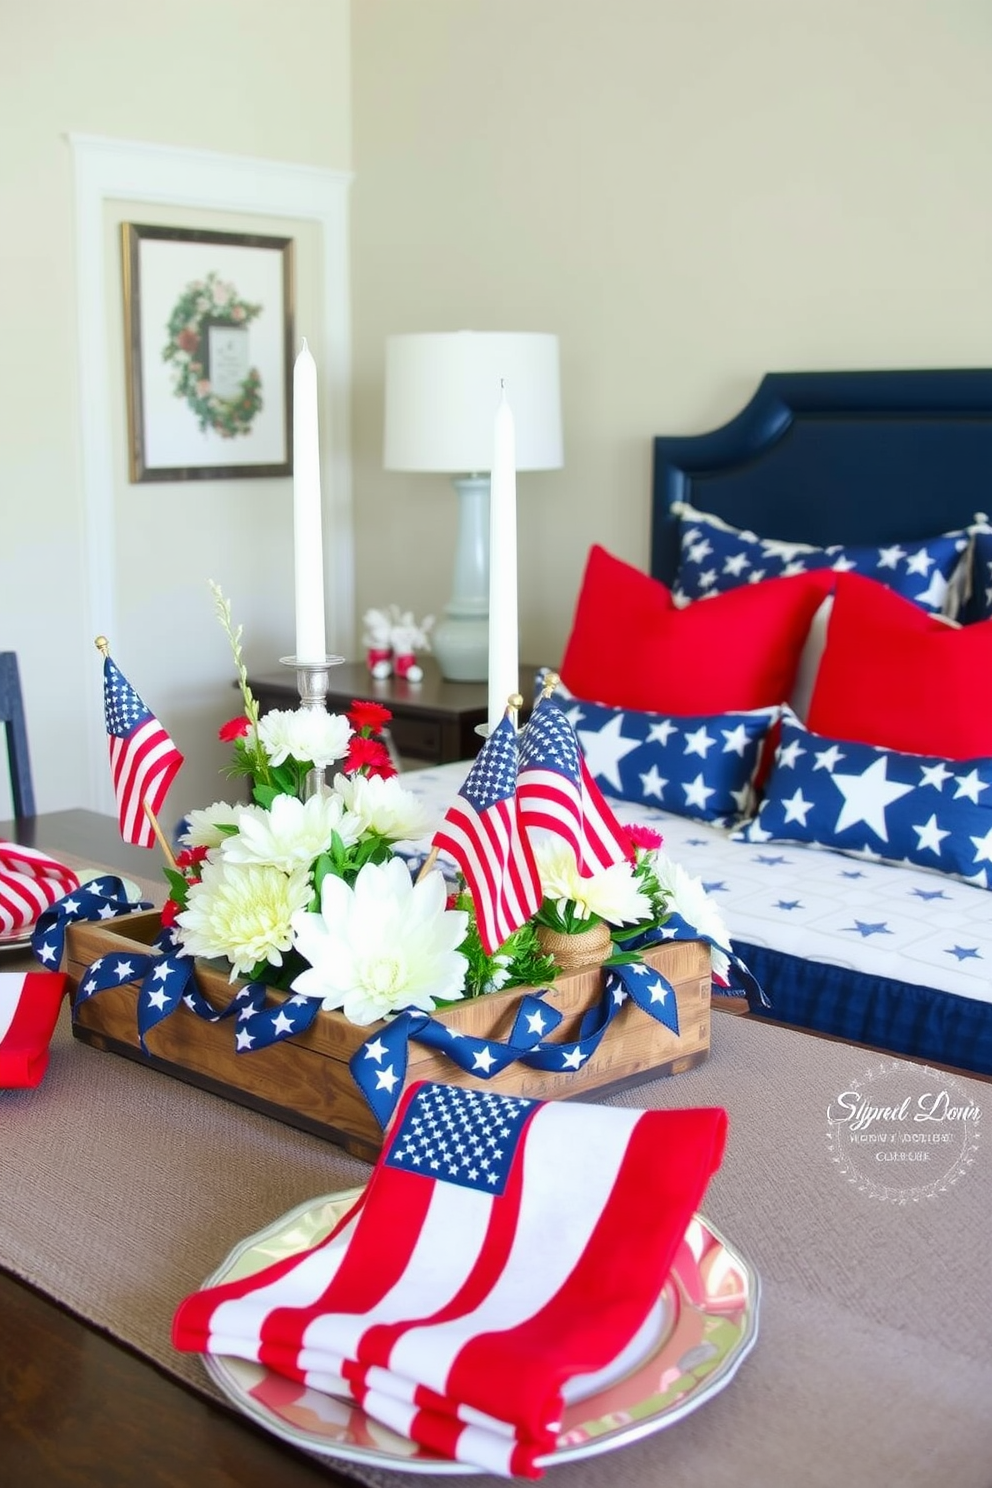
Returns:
(379, 1065)
(99, 899)
(166, 978)
(741, 983)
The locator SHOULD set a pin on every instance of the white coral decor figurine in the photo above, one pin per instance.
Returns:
(378, 647)
(392, 638)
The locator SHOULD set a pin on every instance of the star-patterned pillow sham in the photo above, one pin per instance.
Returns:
(715, 557)
(877, 803)
(699, 766)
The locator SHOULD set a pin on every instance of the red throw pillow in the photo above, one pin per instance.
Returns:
(894, 676)
(631, 647)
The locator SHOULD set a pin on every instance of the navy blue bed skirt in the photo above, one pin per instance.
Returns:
(918, 1022)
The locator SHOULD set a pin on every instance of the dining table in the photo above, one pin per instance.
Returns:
(122, 1189)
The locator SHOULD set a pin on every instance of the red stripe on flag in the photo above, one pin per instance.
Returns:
(29, 1009)
(142, 767)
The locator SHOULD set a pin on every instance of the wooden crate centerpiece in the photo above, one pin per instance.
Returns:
(306, 1081)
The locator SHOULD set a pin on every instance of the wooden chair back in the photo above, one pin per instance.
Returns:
(12, 718)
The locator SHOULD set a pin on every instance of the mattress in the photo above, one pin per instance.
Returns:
(892, 957)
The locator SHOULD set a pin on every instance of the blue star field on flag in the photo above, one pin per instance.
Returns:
(462, 1136)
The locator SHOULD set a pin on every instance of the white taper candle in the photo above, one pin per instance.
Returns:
(311, 641)
(503, 659)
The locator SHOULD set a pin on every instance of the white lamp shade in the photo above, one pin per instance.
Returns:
(442, 391)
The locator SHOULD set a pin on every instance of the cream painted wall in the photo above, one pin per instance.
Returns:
(689, 195)
(238, 76)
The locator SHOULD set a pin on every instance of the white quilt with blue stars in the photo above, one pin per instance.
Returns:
(903, 924)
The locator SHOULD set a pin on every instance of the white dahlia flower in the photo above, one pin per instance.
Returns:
(304, 734)
(243, 912)
(384, 806)
(292, 833)
(384, 945)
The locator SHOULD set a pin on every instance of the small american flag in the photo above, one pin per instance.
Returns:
(558, 793)
(502, 1247)
(143, 759)
(483, 833)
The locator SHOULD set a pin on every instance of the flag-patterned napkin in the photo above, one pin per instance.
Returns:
(29, 1009)
(30, 881)
(502, 1248)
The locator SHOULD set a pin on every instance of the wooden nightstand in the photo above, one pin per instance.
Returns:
(434, 721)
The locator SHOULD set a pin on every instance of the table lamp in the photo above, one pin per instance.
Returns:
(442, 391)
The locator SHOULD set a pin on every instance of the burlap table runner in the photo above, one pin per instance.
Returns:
(122, 1189)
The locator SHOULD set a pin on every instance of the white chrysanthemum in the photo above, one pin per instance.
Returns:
(206, 828)
(383, 945)
(243, 912)
(291, 833)
(304, 734)
(687, 897)
(612, 893)
(384, 806)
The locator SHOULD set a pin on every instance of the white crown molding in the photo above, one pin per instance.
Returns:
(128, 170)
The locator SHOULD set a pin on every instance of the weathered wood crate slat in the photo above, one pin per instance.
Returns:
(306, 1082)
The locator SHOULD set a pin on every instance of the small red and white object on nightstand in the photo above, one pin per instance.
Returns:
(392, 639)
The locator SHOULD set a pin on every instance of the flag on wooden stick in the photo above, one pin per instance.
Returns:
(143, 759)
(482, 832)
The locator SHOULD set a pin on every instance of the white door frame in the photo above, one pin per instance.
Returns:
(112, 169)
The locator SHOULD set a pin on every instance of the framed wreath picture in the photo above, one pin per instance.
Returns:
(208, 327)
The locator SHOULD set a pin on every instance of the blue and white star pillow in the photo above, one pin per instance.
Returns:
(714, 557)
(701, 767)
(877, 803)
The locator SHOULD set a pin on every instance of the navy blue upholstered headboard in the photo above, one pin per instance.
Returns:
(835, 457)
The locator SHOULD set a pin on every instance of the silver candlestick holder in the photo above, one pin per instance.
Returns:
(312, 679)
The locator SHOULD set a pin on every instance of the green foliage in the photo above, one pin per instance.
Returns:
(177, 885)
(519, 962)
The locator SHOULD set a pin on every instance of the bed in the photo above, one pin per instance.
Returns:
(865, 913)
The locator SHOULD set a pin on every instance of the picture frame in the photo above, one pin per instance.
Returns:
(208, 335)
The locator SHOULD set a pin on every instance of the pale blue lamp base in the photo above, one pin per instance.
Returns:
(460, 640)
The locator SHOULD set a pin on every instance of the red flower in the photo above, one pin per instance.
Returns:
(372, 716)
(187, 340)
(235, 728)
(645, 837)
(190, 856)
(170, 909)
(367, 755)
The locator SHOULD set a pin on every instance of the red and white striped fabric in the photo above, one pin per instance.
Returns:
(29, 882)
(29, 1010)
(502, 1248)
